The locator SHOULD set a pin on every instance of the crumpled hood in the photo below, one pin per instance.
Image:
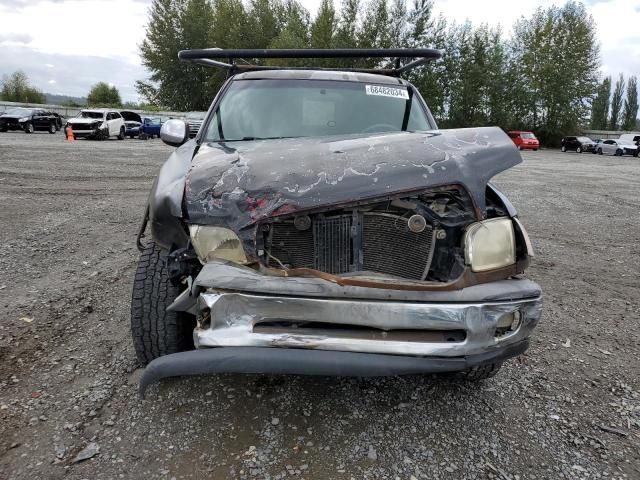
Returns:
(236, 184)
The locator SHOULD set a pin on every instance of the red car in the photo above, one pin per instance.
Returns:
(524, 140)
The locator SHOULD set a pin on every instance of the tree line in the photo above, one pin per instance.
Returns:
(617, 111)
(544, 76)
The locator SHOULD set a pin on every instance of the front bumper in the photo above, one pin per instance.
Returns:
(12, 125)
(232, 319)
(239, 307)
(251, 319)
(289, 361)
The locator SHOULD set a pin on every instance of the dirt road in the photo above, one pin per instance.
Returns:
(569, 408)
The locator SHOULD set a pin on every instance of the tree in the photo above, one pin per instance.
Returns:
(630, 105)
(616, 104)
(16, 88)
(600, 105)
(556, 94)
(103, 94)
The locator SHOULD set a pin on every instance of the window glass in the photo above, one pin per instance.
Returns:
(253, 109)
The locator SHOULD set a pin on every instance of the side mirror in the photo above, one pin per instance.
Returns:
(174, 132)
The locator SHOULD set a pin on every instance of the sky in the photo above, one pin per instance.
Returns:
(65, 46)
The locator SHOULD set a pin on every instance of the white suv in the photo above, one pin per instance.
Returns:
(99, 123)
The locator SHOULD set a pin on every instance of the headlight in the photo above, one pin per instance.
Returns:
(216, 242)
(490, 244)
(23, 119)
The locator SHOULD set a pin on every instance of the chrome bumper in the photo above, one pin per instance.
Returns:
(243, 308)
(399, 328)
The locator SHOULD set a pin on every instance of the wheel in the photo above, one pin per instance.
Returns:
(535, 149)
(618, 153)
(599, 151)
(155, 331)
(564, 149)
(28, 128)
(142, 136)
(481, 372)
(52, 128)
(121, 135)
(579, 150)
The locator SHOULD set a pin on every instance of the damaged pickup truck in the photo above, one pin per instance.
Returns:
(320, 223)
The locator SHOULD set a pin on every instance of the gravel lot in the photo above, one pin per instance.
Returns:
(569, 408)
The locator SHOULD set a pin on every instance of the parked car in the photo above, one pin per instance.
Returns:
(525, 140)
(100, 123)
(132, 122)
(617, 147)
(320, 223)
(632, 138)
(150, 127)
(578, 144)
(29, 120)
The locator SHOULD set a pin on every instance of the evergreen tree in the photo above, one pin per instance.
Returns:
(616, 104)
(630, 105)
(600, 106)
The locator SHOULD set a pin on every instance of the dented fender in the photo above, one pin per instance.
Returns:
(165, 199)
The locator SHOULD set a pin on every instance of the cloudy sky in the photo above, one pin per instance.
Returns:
(65, 46)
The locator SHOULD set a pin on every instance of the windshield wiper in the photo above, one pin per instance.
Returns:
(248, 139)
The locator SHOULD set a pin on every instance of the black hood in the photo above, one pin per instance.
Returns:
(131, 116)
(236, 184)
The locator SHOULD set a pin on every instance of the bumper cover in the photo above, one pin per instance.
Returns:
(286, 325)
(311, 362)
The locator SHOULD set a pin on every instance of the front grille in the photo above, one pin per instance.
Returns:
(81, 126)
(373, 242)
(291, 246)
(390, 247)
(332, 244)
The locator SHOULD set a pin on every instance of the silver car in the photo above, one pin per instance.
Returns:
(617, 147)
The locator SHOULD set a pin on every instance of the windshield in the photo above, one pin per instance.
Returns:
(19, 112)
(258, 109)
(585, 139)
(90, 115)
(527, 135)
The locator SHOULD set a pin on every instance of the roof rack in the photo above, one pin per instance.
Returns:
(210, 57)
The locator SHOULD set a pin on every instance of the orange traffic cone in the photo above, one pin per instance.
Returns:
(70, 137)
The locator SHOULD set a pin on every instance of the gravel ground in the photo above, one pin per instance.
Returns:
(568, 408)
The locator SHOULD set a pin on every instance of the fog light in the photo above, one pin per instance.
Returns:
(509, 322)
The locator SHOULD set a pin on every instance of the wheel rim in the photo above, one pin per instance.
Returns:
(564, 149)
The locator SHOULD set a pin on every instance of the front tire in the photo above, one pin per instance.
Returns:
(157, 332)
(29, 128)
(121, 135)
(52, 128)
(563, 149)
(599, 151)
(618, 153)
